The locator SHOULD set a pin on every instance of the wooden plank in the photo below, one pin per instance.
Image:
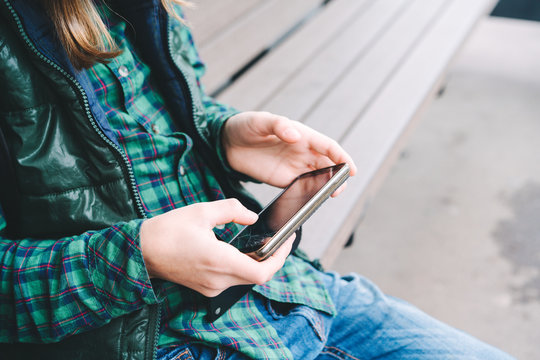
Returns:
(333, 62)
(248, 36)
(352, 93)
(208, 18)
(379, 23)
(272, 72)
(373, 139)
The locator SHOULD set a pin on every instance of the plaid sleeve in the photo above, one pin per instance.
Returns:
(50, 289)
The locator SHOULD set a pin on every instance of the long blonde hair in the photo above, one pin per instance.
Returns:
(82, 32)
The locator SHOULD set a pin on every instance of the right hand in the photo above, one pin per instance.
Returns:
(180, 246)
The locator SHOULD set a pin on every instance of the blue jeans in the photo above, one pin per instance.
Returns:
(369, 325)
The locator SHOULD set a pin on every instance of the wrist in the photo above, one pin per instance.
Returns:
(146, 247)
(224, 146)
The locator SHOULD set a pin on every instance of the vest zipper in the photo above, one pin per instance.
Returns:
(156, 326)
(90, 116)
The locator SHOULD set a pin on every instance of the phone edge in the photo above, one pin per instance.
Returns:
(302, 215)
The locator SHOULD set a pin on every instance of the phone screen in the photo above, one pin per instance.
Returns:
(274, 216)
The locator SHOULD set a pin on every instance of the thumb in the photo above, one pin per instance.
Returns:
(228, 210)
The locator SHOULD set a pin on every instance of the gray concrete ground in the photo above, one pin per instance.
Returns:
(455, 229)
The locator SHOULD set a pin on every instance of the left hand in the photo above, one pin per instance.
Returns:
(274, 149)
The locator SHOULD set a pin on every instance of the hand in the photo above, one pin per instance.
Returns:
(274, 149)
(180, 246)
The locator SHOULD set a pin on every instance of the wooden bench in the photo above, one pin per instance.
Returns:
(359, 71)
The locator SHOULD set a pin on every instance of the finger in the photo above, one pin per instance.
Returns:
(287, 131)
(250, 271)
(275, 262)
(226, 211)
(321, 162)
(284, 128)
(340, 189)
(331, 149)
(283, 251)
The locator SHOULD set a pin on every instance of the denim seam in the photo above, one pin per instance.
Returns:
(221, 355)
(181, 355)
(338, 353)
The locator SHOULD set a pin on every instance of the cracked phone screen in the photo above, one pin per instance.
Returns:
(280, 210)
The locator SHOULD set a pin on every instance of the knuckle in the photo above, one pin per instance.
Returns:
(198, 207)
(210, 263)
(235, 204)
(333, 144)
(234, 201)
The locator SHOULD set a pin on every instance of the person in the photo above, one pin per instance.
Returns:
(120, 187)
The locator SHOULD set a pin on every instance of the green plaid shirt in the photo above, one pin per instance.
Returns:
(100, 274)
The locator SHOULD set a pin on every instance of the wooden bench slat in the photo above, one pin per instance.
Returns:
(250, 35)
(373, 139)
(334, 61)
(208, 18)
(364, 79)
(272, 72)
(407, 20)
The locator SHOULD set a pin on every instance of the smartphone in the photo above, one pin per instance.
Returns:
(277, 222)
(289, 210)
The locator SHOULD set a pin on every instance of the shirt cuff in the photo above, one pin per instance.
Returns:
(117, 269)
